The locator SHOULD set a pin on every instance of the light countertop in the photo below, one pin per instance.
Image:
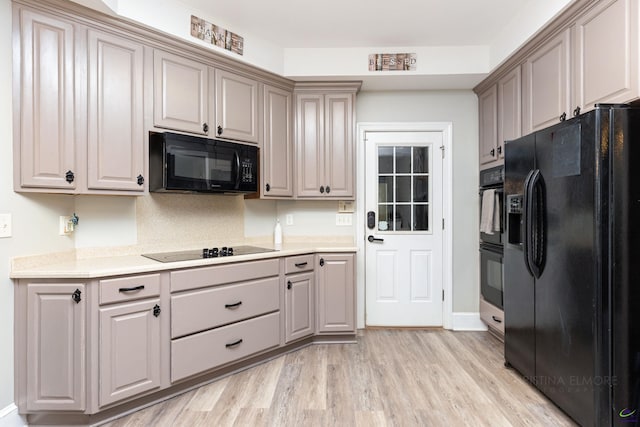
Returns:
(71, 267)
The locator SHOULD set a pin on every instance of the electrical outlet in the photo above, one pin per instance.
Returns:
(344, 219)
(65, 226)
(5, 225)
(289, 219)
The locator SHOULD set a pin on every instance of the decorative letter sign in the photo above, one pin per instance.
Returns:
(392, 62)
(215, 35)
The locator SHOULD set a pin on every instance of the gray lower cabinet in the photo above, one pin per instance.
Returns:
(85, 347)
(51, 339)
(335, 299)
(131, 336)
(299, 298)
(223, 314)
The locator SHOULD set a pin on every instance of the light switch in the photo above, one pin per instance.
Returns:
(5, 225)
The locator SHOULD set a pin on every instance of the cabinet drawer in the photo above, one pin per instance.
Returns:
(199, 310)
(207, 350)
(129, 288)
(297, 264)
(492, 316)
(222, 274)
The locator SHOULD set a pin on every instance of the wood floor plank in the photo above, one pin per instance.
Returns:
(391, 377)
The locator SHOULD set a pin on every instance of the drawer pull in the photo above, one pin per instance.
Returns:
(301, 264)
(496, 319)
(132, 289)
(237, 304)
(233, 344)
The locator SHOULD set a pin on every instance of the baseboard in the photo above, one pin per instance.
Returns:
(9, 417)
(468, 322)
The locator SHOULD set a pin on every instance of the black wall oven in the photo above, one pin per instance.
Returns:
(491, 241)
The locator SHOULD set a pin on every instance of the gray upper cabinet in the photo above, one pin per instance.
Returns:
(547, 84)
(277, 148)
(488, 112)
(324, 144)
(236, 107)
(44, 82)
(79, 93)
(181, 93)
(115, 148)
(509, 109)
(606, 54)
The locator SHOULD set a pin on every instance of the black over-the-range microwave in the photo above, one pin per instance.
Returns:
(184, 163)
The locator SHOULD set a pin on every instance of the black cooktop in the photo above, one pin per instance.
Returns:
(206, 253)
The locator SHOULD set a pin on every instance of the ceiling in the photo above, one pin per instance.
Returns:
(365, 23)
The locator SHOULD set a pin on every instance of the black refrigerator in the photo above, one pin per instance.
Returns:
(572, 264)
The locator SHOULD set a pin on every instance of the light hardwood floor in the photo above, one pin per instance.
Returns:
(392, 377)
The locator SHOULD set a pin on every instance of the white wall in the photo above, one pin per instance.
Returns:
(460, 108)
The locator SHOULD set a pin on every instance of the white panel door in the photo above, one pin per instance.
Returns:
(404, 253)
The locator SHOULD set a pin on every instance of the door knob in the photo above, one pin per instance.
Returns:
(374, 239)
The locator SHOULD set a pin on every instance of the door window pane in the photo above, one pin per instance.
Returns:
(403, 188)
(421, 159)
(403, 159)
(385, 159)
(421, 217)
(420, 188)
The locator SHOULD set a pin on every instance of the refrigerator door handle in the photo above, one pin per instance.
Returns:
(527, 211)
(536, 224)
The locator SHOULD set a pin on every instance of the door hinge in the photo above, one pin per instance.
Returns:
(443, 223)
(442, 150)
(443, 295)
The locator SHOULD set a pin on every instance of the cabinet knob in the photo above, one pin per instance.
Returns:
(77, 296)
(156, 310)
(267, 187)
(205, 127)
(69, 176)
(140, 180)
(563, 117)
(288, 284)
(492, 152)
(576, 112)
(321, 262)
(328, 189)
(219, 130)
(500, 150)
(321, 189)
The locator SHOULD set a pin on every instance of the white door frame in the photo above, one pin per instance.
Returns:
(447, 209)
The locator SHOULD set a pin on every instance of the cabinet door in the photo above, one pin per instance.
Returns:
(309, 144)
(56, 325)
(488, 112)
(546, 94)
(236, 107)
(115, 152)
(130, 348)
(338, 146)
(509, 109)
(606, 54)
(181, 93)
(336, 309)
(299, 306)
(44, 88)
(277, 150)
